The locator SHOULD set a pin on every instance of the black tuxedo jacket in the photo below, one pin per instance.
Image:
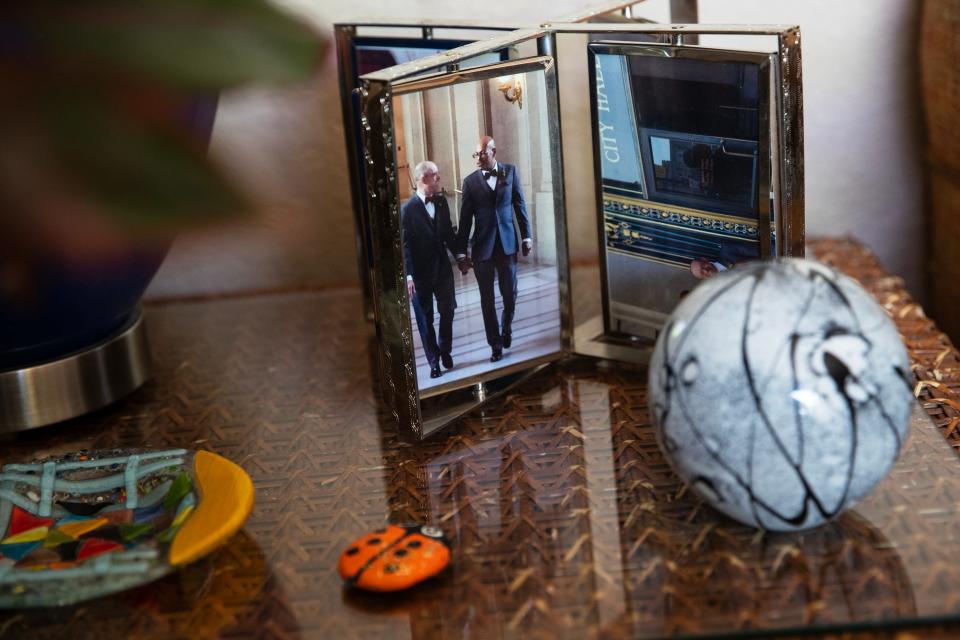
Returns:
(485, 220)
(426, 241)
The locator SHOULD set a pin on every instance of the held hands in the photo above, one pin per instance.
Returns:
(464, 264)
(410, 288)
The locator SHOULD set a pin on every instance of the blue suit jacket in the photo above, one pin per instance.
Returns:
(476, 215)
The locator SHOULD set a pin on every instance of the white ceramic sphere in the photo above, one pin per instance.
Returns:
(780, 392)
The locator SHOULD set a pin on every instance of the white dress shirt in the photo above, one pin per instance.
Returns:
(492, 178)
(431, 208)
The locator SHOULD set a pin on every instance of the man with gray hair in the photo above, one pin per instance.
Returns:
(428, 236)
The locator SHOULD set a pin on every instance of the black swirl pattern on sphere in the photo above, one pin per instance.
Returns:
(780, 392)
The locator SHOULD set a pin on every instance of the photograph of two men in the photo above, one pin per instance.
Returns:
(478, 227)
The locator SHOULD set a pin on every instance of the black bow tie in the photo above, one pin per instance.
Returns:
(435, 198)
(491, 174)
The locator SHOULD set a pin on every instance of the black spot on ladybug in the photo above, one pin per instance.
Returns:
(385, 558)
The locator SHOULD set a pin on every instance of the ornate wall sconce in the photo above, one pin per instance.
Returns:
(512, 89)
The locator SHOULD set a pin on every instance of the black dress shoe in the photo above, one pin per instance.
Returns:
(435, 371)
(497, 355)
(507, 338)
(447, 360)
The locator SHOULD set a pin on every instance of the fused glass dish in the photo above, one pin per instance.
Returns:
(91, 523)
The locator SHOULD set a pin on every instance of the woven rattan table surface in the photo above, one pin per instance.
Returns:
(566, 520)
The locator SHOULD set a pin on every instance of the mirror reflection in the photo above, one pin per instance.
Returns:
(679, 141)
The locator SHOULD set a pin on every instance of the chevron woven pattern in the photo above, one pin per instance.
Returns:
(566, 520)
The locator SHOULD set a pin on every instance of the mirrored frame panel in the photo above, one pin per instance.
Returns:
(577, 189)
(649, 243)
(515, 244)
(681, 146)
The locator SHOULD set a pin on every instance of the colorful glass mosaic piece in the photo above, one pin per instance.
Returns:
(167, 534)
(39, 558)
(21, 521)
(31, 535)
(134, 530)
(80, 527)
(109, 532)
(18, 551)
(92, 523)
(95, 547)
(148, 514)
(55, 538)
(180, 488)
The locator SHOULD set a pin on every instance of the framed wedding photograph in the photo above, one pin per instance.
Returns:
(478, 228)
(679, 160)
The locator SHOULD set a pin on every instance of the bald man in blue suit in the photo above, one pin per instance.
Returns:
(492, 199)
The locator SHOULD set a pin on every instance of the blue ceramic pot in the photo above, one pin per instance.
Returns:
(69, 309)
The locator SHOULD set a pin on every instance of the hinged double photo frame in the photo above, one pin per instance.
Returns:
(621, 153)
(371, 45)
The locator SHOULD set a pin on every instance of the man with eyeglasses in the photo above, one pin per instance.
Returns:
(492, 197)
(427, 236)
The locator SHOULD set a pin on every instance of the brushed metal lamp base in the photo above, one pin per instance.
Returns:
(75, 384)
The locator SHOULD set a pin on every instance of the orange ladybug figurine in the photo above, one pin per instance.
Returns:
(395, 557)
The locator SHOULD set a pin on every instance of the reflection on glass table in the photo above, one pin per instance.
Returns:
(576, 525)
(566, 520)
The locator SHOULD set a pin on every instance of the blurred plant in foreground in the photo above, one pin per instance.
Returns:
(97, 152)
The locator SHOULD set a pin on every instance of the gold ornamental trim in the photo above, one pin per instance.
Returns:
(705, 232)
(684, 211)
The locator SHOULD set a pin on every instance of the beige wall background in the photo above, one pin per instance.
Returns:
(286, 146)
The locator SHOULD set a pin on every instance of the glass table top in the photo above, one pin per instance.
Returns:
(566, 520)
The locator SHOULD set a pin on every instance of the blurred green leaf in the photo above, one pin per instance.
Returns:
(141, 174)
(192, 44)
(93, 106)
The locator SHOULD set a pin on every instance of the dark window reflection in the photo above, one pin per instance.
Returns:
(685, 165)
(699, 125)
